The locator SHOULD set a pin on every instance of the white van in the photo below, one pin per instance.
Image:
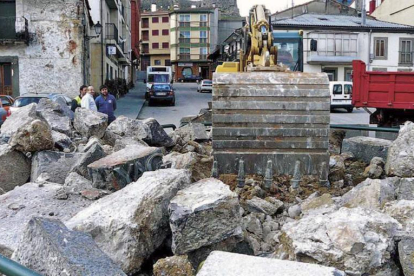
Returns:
(341, 95)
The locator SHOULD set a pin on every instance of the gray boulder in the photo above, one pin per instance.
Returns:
(18, 119)
(75, 183)
(14, 168)
(323, 203)
(124, 126)
(372, 194)
(71, 252)
(34, 136)
(32, 199)
(180, 161)
(366, 148)
(191, 132)
(53, 114)
(140, 223)
(53, 166)
(258, 205)
(120, 168)
(91, 142)
(94, 153)
(123, 142)
(375, 169)
(406, 253)
(336, 168)
(90, 123)
(158, 137)
(358, 241)
(405, 188)
(174, 266)
(400, 160)
(230, 264)
(62, 141)
(403, 211)
(207, 212)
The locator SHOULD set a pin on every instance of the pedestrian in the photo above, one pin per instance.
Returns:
(106, 103)
(76, 102)
(87, 100)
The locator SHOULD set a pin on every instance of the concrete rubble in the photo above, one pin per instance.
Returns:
(90, 123)
(207, 212)
(174, 266)
(366, 148)
(158, 137)
(49, 248)
(229, 264)
(53, 114)
(141, 222)
(10, 160)
(400, 160)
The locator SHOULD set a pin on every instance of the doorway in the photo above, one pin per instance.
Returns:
(6, 74)
(205, 72)
(332, 73)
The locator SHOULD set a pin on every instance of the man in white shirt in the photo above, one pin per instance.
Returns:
(87, 101)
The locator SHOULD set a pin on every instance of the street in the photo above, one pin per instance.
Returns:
(189, 102)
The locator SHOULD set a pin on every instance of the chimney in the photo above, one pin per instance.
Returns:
(372, 7)
(153, 7)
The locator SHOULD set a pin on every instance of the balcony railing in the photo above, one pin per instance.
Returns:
(111, 31)
(192, 24)
(184, 24)
(184, 40)
(192, 40)
(184, 56)
(187, 57)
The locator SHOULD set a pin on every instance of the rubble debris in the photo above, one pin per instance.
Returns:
(117, 170)
(126, 127)
(229, 264)
(14, 168)
(355, 240)
(91, 142)
(336, 138)
(94, 194)
(31, 200)
(53, 114)
(56, 165)
(405, 253)
(258, 205)
(400, 160)
(366, 148)
(320, 203)
(94, 153)
(158, 137)
(336, 168)
(34, 136)
(141, 222)
(74, 253)
(405, 188)
(375, 170)
(61, 141)
(17, 120)
(174, 266)
(180, 161)
(207, 212)
(75, 183)
(128, 141)
(90, 123)
(403, 212)
(191, 132)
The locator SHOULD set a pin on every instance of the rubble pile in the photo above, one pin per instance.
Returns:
(130, 199)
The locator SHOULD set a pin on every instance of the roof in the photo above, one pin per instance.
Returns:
(338, 21)
(193, 10)
(150, 13)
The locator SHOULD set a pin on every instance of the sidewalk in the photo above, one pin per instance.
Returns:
(132, 103)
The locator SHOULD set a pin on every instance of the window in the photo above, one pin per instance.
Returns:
(348, 74)
(155, 32)
(184, 54)
(184, 20)
(203, 36)
(332, 73)
(185, 37)
(348, 89)
(406, 51)
(337, 89)
(145, 23)
(203, 53)
(145, 48)
(157, 62)
(165, 19)
(167, 62)
(165, 32)
(203, 20)
(155, 20)
(145, 35)
(380, 47)
(165, 45)
(187, 71)
(155, 46)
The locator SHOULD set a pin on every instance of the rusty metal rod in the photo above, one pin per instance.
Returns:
(12, 268)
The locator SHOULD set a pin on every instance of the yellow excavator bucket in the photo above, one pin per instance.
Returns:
(229, 67)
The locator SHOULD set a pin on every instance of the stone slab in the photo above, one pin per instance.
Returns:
(366, 148)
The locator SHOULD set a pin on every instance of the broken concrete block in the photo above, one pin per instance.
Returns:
(33, 199)
(405, 188)
(75, 183)
(230, 264)
(366, 148)
(92, 141)
(140, 225)
(55, 165)
(180, 161)
(18, 119)
(258, 205)
(94, 153)
(48, 247)
(192, 132)
(403, 212)
(375, 168)
(173, 266)
(371, 194)
(158, 137)
(124, 126)
(400, 160)
(53, 114)
(34, 136)
(62, 141)
(321, 203)
(90, 123)
(406, 253)
(207, 212)
(14, 168)
(120, 168)
(123, 142)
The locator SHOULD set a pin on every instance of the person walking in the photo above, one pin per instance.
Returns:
(106, 103)
(76, 102)
(87, 100)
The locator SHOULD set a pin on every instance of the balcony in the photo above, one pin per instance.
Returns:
(184, 40)
(192, 40)
(184, 24)
(14, 29)
(111, 31)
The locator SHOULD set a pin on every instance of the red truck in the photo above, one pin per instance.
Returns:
(391, 93)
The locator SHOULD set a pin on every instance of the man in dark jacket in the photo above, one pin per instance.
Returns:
(106, 103)
(76, 102)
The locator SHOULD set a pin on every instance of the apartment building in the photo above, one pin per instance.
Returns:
(155, 38)
(194, 33)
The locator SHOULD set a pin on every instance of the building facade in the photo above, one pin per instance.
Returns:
(135, 33)
(332, 42)
(394, 11)
(194, 31)
(155, 39)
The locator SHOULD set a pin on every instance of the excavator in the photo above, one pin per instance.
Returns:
(267, 114)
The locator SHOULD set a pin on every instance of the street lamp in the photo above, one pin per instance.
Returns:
(98, 30)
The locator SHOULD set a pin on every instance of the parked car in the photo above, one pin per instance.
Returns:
(341, 95)
(205, 85)
(27, 99)
(3, 114)
(161, 92)
(190, 78)
(7, 101)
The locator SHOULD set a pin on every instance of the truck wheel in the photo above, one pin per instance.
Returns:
(350, 109)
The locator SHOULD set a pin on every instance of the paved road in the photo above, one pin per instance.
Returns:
(189, 102)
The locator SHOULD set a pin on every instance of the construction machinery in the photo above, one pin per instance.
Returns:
(265, 113)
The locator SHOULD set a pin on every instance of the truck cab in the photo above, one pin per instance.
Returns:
(341, 95)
